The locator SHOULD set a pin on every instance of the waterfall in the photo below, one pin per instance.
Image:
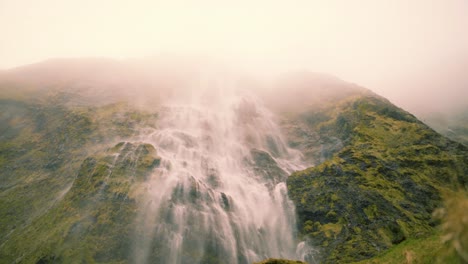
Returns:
(219, 195)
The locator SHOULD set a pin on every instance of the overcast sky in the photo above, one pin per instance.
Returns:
(394, 47)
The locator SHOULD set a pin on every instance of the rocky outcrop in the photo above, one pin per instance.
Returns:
(381, 187)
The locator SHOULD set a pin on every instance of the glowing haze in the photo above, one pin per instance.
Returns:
(397, 48)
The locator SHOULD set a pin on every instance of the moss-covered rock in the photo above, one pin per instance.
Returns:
(266, 167)
(446, 245)
(280, 261)
(93, 221)
(62, 189)
(381, 187)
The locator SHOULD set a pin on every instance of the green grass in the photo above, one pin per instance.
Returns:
(447, 245)
(425, 250)
(48, 212)
(380, 187)
(279, 261)
(93, 222)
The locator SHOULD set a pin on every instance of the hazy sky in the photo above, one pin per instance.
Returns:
(380, 44)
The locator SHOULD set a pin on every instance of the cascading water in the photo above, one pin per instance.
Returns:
(219, 195)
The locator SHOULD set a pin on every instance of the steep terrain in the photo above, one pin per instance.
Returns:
(93, 222)
(96, 175)
(66, 193)
(96, 169)
(381, 175)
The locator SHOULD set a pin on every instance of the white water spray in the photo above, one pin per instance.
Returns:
(219, 194)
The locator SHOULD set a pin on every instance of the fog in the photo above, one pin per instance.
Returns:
(412, 52)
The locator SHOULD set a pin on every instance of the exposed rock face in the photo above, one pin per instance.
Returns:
(267, 168)
(381, 187)
(71, 193)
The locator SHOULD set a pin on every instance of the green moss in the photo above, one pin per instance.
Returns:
(93, 223)
(425, 250)
(331, 230)
(58, 202)
(381, 186)
(334, 197)
(371, 211)
(280, 261)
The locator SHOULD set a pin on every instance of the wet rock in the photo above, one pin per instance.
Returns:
(266, 167)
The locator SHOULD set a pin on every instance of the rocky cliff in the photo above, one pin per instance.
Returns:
(380, 176)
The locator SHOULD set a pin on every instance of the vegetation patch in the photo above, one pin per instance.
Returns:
(380, 188)
(280, 261)
(66, 196)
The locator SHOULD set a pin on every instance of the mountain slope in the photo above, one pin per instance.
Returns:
(74, 166)
(75, 188)
(54, 157)
(381, 184)
(94, 220)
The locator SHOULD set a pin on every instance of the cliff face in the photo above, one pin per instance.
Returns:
(381, 175)
(81, 180)
(74, 173)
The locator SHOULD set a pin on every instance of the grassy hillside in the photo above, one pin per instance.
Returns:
(379, 186)
(93, 221)
(71, 178)
(447, 245)
(61, 177)
(280, 261)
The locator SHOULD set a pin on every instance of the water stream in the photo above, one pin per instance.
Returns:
(219, 195)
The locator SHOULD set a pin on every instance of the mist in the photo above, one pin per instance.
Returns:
(414, 53)
(195, 131)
